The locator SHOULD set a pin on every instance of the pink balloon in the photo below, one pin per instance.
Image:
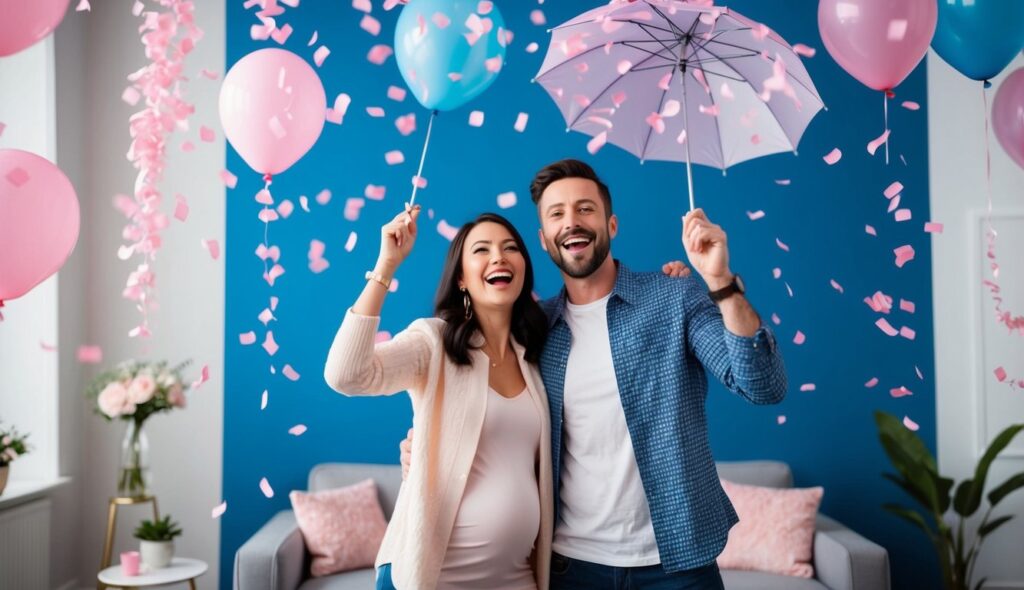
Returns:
(272, 107)
(38, 221)
(24, 22)
(1008, 116)
(879, 42)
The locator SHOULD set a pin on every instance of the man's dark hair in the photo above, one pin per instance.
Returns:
(568, 168)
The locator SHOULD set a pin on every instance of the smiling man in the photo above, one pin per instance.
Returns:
(638, 500)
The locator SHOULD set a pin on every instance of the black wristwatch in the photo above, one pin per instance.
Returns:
(736, 286)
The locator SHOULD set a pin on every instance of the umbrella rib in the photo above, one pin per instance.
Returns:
(795, 79)
(647, 141)
(582, 53)
(655, 54)
(671, 23)
(600, 94)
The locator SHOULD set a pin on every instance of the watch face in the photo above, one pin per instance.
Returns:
(739, 283)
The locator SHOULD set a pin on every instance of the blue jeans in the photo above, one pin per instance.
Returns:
(384, 577)
(574, 574)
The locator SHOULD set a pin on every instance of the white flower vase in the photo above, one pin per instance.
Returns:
(156, 554)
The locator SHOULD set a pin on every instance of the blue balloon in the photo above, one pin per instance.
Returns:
(438, 40)
(979, 37)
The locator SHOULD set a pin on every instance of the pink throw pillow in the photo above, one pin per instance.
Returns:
(776, 529)
(343, 528)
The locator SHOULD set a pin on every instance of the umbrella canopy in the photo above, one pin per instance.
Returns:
(668, 80)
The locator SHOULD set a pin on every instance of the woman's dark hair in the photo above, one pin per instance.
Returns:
(529, 324)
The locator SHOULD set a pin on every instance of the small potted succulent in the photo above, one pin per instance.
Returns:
(156, 541)
(12, 446)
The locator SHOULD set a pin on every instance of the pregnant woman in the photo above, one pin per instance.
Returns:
(476, 508)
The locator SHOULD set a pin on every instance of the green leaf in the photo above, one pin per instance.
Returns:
(971, 499)
(912, 491)
(912, 517)
(909, 443)
(993, 525)
(981, 583)
(1006, 488)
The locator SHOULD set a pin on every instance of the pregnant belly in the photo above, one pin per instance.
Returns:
(494, 533)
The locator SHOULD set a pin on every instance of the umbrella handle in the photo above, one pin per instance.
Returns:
(686, 130)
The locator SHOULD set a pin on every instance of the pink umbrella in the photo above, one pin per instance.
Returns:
(669, 80)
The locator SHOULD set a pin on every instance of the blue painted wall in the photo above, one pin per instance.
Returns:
(829, 436)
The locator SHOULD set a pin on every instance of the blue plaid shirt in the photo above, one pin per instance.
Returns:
(664, 332)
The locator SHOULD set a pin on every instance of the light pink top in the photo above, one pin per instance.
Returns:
(497, 521)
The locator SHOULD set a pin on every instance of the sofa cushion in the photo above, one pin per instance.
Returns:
(739, 580)
(343, 528)
(776, 529)
(364, 579)
(770, 474)
(326, 476)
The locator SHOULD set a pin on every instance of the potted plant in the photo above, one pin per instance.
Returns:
(12, 446)
(918, 476)
(133, 391)
(156, 541)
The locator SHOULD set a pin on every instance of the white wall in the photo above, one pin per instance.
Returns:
(969, 344)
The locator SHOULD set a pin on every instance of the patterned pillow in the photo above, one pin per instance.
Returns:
(776, 529)
(343, 528)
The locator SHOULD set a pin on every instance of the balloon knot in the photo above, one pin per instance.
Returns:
(267, 177)
(889, 93)
(987, 84)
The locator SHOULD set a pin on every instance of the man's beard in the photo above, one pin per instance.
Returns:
(582, 268)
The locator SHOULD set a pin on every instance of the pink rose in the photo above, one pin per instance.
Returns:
(7, 440)
(114, 400)
(11, 454)
(141, 389)
(176, 396)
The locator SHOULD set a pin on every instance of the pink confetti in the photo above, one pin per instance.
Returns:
(879, 302)
(275, 271)
(597, 142)
(933, 227)
(779, 243)
(281, 35)
(90, 355)
(247, 338)
(901, 391)
(537, 17)
(206, 134)
(780, 420)
(229, 179)
(903, 215)
(870, 230)
(893, 204)
(808, 387)
(382, 336)
(904, 254)
(711, 111)
(441, 20)
(406, 124)
(265, 488)
(320, 55)
(419, 182)
(212, 247)
(375, 112)
(353, 205)
(47, 347)
(910, 424)
(907, 333)
(776, 273)
(755, 215)
(454, 76)
(297, 430)
(804, 50)
(337, 114)
(394, 157)
(264, 400)
(209, 74)
(833, 156)
(476, 118)
(874, 143)
(836, 285)
(446, 230)
(1000, 374)
(656, 122)
(204, 376)
(871, 382)
(484, 6)
(83, 5)
(362, 5)
(370, 25)
(375, 192)
(323, 197)
(396, 94)
(532, 48)
(910, 105)
(618, 98)
(886, 327)
(493, 64)
(776, 319)
(799, 338)
(180, 208)
(350, 243)
(131, 96)
(379, 54)
(783, 182)
(187, 146)
(219, 510)
(507, 200)
(521, 120)
(920, 375)
(907, 306)
(893, 190)
(290, 373)
(779, 82)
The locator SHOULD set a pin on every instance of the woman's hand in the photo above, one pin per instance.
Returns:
(396, 240)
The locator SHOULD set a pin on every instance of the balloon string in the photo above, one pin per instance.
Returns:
(268, 180)
(423, 158)
(885, 111)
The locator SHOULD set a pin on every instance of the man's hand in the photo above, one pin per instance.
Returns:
(406, 448)
(706, 246)
(676, 269)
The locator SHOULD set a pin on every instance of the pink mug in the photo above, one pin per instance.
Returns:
(130, 563)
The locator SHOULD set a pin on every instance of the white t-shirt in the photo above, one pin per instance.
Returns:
(603, 517)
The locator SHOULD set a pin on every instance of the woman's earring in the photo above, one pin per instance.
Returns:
(467, 303)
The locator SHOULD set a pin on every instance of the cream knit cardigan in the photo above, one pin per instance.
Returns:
(448, 415)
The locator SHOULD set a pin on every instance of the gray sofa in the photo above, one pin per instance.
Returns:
(275, 558)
